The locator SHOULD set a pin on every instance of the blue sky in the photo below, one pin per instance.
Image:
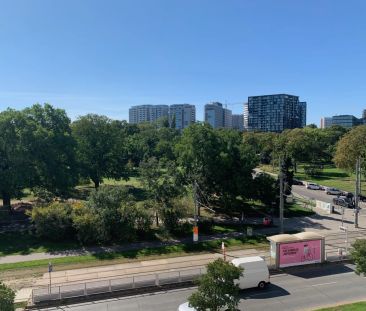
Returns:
(104, 56)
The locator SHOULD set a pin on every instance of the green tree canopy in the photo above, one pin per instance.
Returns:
(101, 147)
(216, 289)
(351, 146)
(17, 169)
(53, 148)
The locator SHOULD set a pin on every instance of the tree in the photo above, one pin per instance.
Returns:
(236, 162)
(198, 157)
(101, 148)
(53, 149)
(17, 169)
(161, 183)
(7, 296)
(351, 146)
(216, 289)
(358, 255)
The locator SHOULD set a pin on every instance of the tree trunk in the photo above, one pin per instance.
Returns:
(6, 201)
(295, 166)
(157, 219)
(96, 183)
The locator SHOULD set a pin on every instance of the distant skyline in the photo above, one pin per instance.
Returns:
(90, 56)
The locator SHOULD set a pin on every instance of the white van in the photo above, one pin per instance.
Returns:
(255, 273)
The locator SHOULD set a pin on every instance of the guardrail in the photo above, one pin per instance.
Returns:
(59, 292)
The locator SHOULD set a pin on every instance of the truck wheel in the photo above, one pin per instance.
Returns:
(262, 285)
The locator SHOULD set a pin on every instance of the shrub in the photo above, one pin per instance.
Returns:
(358, 255)
(88, 225)
(54, 221)
(7, 296)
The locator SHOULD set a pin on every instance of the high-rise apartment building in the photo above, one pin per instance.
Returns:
(147, 113)
(238, 122)
(274, 113)
(182, 116)
(218, 116)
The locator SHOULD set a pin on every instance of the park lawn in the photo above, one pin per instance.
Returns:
(141, 254)
(358, 306)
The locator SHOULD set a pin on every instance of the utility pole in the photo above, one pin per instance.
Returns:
(281, 196)
(195, 228)
(358, 189)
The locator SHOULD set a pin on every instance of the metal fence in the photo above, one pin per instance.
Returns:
(58, 292)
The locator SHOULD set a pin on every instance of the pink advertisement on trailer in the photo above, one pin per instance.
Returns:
(300, 253)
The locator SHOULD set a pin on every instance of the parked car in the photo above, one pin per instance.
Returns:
(343, 201)
(312, 186)
(297, 182)
(333, 191)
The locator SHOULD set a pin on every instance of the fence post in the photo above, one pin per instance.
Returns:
(32, 297)
(133, 282)
(179, 277)
(157, 279)
(59, 292)
(85, 290)
(110, 285)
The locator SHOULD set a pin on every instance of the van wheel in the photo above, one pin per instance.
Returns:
(262, 285)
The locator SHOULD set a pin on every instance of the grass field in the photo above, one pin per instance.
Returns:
(330, 177)
(142, 254)
(358, 306)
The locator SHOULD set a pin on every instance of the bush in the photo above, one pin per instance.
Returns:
(87, 225)
(7, 296)
(358, 255)
(172, 213)
(53, 222)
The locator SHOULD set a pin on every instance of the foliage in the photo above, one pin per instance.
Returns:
(7, 297)
(266, 189)
(53, 149)
(216, 289)
(358, 255)
(16, 158)
(351, 146)
(53, 222)
(101, 147)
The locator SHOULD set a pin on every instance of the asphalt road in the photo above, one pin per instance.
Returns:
(313, 194)
(305, 289)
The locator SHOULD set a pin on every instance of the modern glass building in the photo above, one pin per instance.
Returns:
(346, 120)
(218, 116)
(274, 113)
(238, 122)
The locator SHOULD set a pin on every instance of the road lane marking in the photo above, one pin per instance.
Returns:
(321, 284)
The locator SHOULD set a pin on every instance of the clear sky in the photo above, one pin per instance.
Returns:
(104, 56)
